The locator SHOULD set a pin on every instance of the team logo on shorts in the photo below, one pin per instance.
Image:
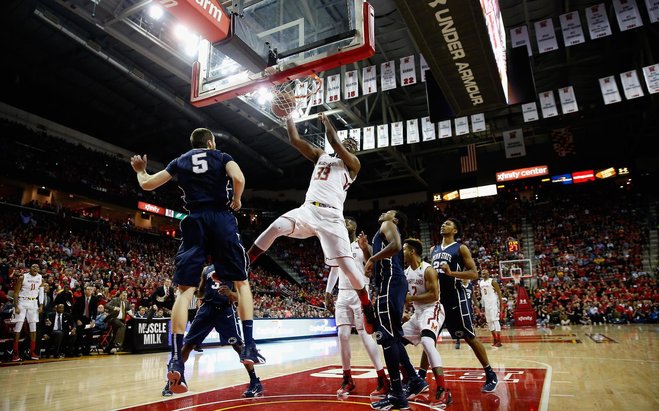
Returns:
(459, 334)
(232, 340)
(378, 335)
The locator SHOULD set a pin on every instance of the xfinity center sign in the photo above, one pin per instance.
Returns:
(464, 44)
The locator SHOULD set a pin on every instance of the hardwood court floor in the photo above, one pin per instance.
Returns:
(568, 368)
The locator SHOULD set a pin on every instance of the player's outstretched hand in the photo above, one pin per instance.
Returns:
(138, 163)
(362, 241)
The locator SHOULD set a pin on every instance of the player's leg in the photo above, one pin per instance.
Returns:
(282, 226)
(347, 385)
(462, 325)
(255, 388)
(32, 316)
(20, 319)
(176, 367)
(442, 393)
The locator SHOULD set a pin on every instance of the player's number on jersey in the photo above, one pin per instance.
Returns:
(199, 163)
(322, 173)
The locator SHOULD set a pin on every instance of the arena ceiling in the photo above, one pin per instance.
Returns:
(98, 71)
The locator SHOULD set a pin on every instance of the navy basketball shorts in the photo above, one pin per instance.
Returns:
(390, 305)
(458, 319)
(222, 318)
(213, 233)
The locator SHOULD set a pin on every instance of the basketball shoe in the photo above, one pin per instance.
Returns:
(34, 355)
(382, 389)
(391, 401)
(347, 387)
(250, 355)
(176, 377)
(370, 320)
(15, 357)
(491, 382)
(166, 392)
(443, 398)
(416, 387)
(255, 389)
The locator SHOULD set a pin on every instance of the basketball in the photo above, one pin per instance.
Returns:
(283, 104)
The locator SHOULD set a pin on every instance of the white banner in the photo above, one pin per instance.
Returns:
(369, 80)
(424, 67)
(513, 143)
(461, 126)
(369, 138)
(383, 135)
(350, 85)
(653, 10)
(343, 134)
(631, 85)
(598, 22)
(445, 129)
(407, 71)
(568, 100)
(333, 88)
(530, 112)
(609, 88)
(412, 131)
(548, 104)
(478, 122)
(397, 133)
(545, 35)
(356, 133)
(571, 28)
(427, 129)
(301, 90)
(627, 14)
(651, 74)
(388, 75)
(318, 97)
(519, 36)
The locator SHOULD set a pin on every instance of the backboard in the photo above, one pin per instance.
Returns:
(509, 268)
(292, 38)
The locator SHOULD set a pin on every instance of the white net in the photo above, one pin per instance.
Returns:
(294, 95)
(517, 278)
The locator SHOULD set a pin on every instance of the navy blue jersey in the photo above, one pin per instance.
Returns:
(450, 288)
(211, 293)
(469, 289)
(202, 176)
(387, 267)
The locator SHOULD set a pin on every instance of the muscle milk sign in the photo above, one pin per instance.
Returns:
(521, 173)
(150, 334)
(462, 44)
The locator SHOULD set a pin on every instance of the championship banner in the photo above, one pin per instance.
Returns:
(519, 36)
(627, 14)
(568, 100)
(445, 129)
(388, 75)
(651, 74)
(464, 43)
(424, 67)
(369, 80)
(369, 138)
(631, 85)
(301, 91)
(545, 35)
(412, 131)
(356, 133)
(383, 135)
(598, 22)
(397, 133)
(530, 112)
(653, 10)
(513, 143)
(351, 85)
(571, 28)
(318, 98)
(407, 71)
(461, 126)
(478, 122)
(333, 88)
(548, 104)
(427, 129)
(609, 88)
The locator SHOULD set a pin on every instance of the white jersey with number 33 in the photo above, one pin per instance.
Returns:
(329, 182)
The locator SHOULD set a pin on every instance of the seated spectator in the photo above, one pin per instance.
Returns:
(117, 314)
(60, 332)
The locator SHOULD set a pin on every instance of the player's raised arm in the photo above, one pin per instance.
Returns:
(304, 147)
(148, 181)
(345, 152)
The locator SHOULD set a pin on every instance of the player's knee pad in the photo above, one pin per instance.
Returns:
(33, 327)
(428, 344)
(490, 325)
(18, 327)
(429, 334)
(497, 326)
(280, 227)
(344, 332)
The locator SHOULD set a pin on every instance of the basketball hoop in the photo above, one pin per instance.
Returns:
(294, 95)
(517, 277)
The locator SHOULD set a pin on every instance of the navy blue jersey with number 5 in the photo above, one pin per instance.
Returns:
(202, 176)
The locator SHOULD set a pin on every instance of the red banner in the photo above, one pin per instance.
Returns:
(205, 17)
(524, 312)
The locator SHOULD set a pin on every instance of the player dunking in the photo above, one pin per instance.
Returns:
(492, 302)
(28, 298)
(348, 313)
(213, 184)
(424, 325)
(216, 311)
(454, 263)
(321, 215)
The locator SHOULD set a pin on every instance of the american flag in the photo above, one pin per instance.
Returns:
(468, 163)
